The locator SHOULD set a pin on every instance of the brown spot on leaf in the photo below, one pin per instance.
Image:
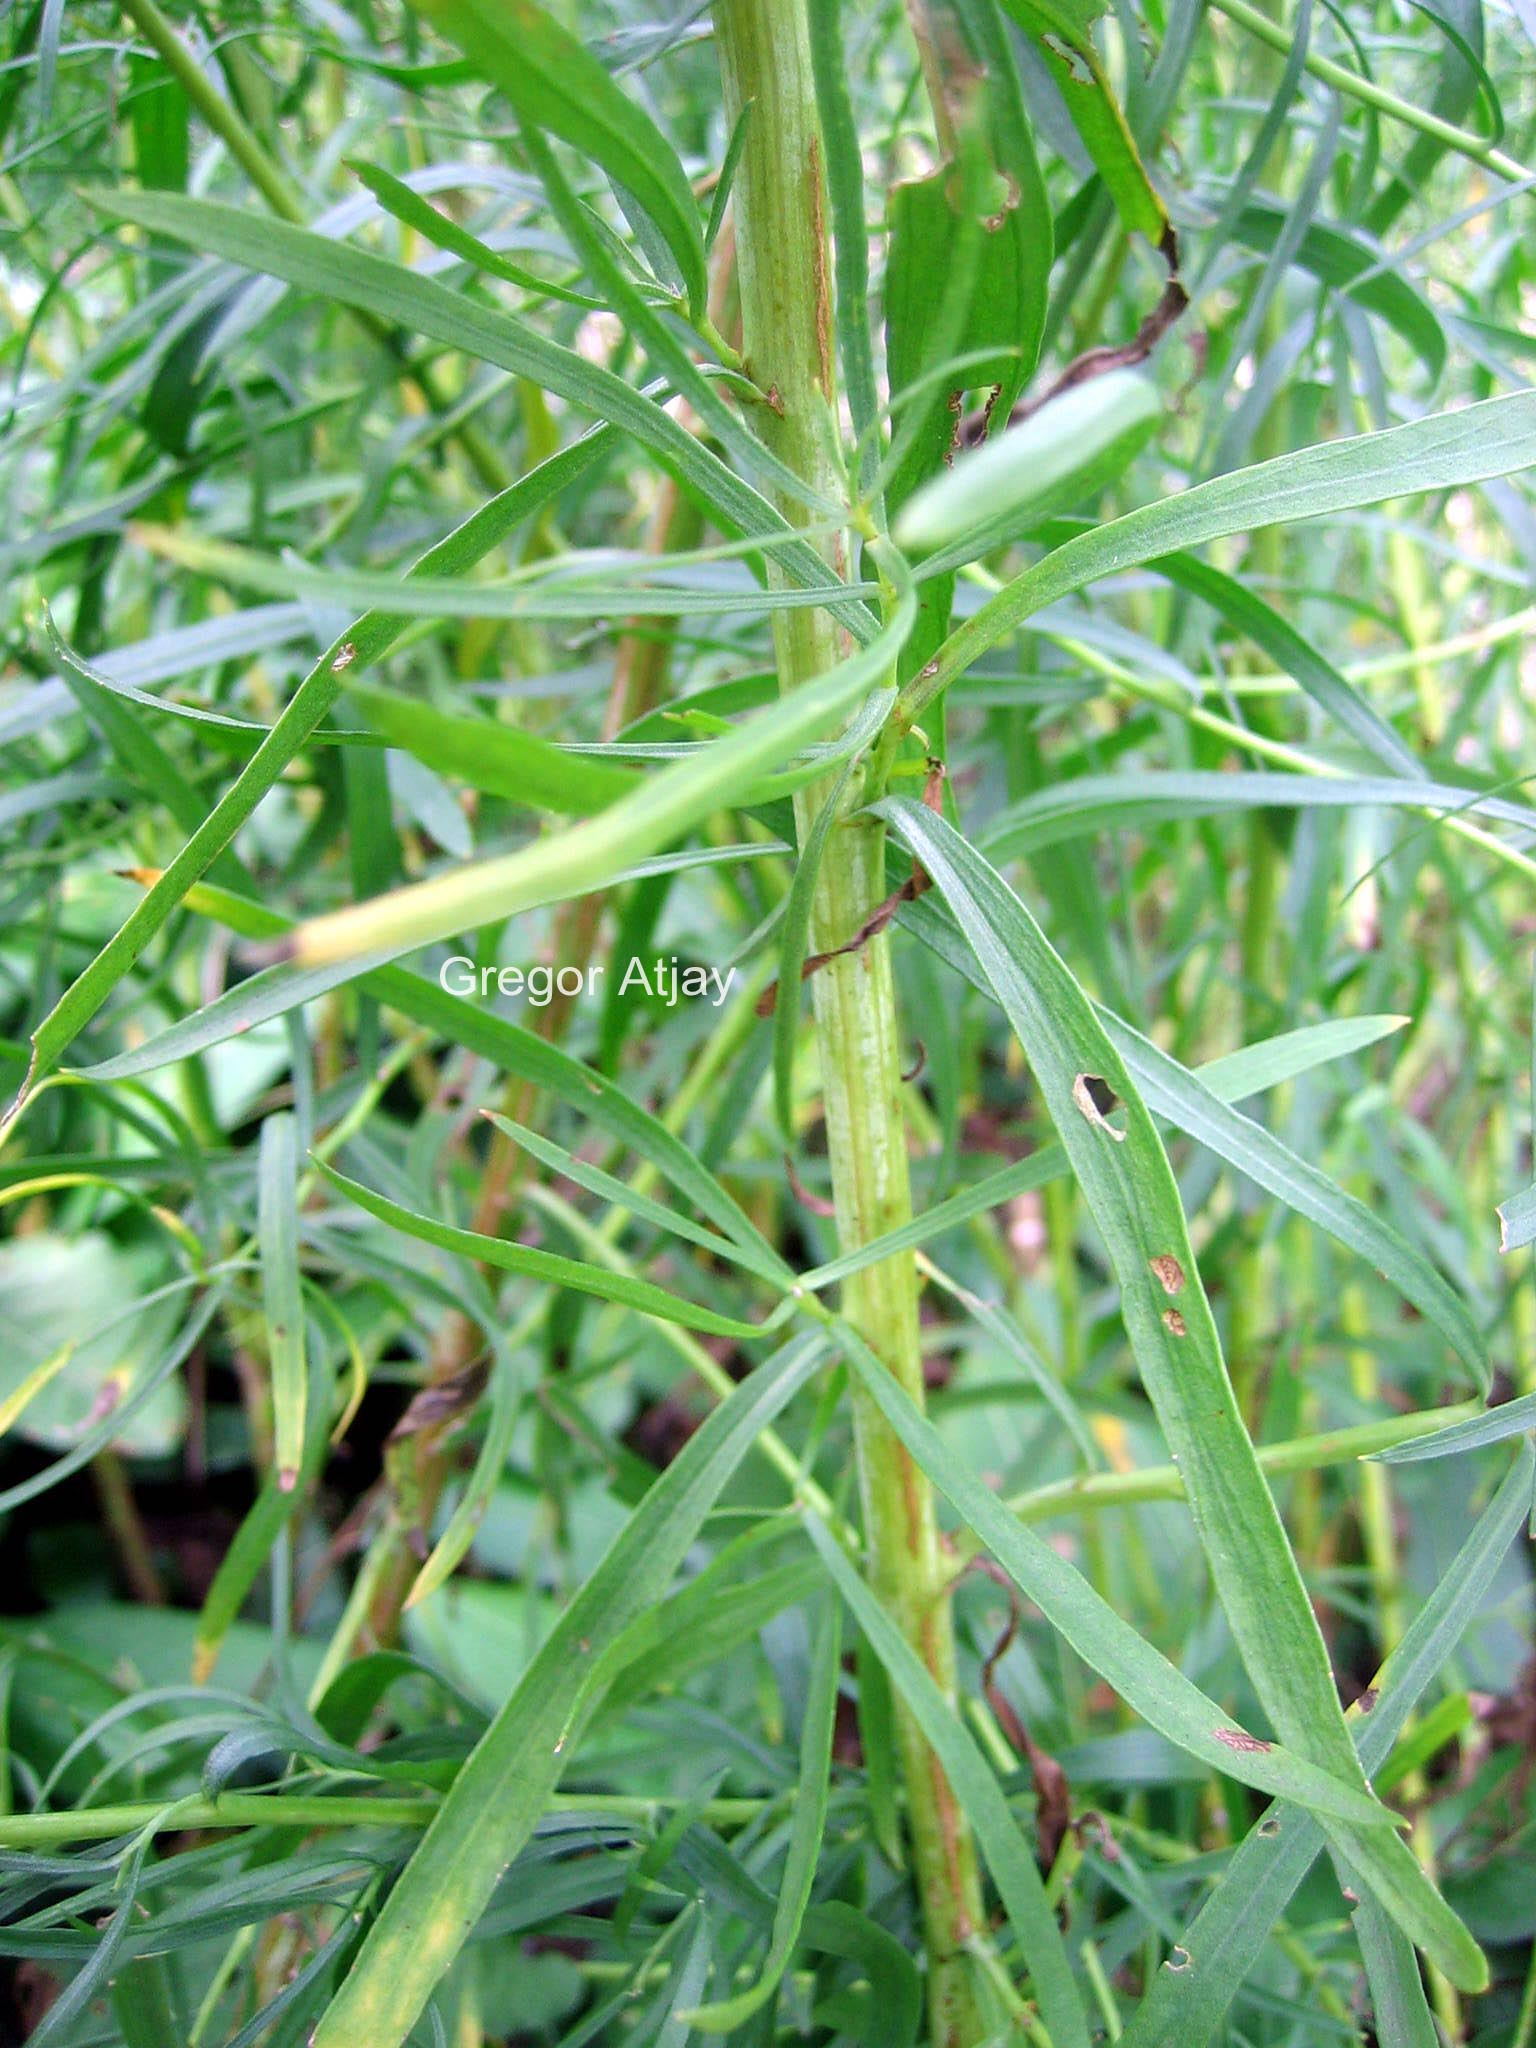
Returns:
(1168, 1271)
(1175, 1322)
(1244, 1743)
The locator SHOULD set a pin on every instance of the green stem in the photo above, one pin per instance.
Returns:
(1300, 1454)
(783, 270)
(295, 1810)
(1281, 36)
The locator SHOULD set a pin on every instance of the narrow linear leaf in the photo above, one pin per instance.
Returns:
(366, 641)
(491, 756)
(557, 1271)
(374, 284)
(1514, 1418)
(1151, 1686)
(1494, 438)
(555, 82)
(509, 1046)
(1126, 1180)
(445, 233)
(1223, 1943)
(805, 1840)
(500, 1794)
(794, 943)
(592, 853)
(282, 1300)
(1009, 1855)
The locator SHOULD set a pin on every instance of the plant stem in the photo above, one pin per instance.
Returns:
(1281, 35)
(318, 1810)
(786, 312)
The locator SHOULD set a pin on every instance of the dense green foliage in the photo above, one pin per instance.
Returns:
(522, 822)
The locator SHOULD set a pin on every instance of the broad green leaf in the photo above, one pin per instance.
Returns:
(502, 1791)
(589, 855)
(556, 83)
(1062, 30)
(805, 1840)
(641, 1295)
(1494, 438)
(366, 641)
(1123, 1171)
(1059, 454)
(1185, 2001)
(1009, 1855)
(1144, 1679)
(987, 233)
(282, 1301)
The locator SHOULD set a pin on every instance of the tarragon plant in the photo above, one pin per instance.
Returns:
(766, 814)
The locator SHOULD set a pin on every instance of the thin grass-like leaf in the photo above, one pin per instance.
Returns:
(500, 1793)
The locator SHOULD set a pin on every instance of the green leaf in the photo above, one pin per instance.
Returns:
(1062, 31)
(1152, 1687)
(1513, 1418)
(1517, 1220)
(366, 641)
(805, 1839)
(626, 1199)
(1185, 2002)
(1148, 796)
(1008, 1854)
(555, 83)
(589, 855)
(1230, 1078)
(508, 1046)
(1399, 2009)
(1494, 438)
(501, 1793)
(282, 1302)
(1125, 1177)
(445, 233)
(492, 756)
(1058, 455)
(337, 272)
(794, 941)
(641, 1295)
(1172, 1091)
(1339, 257)
(987, 234)
(845, 191)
